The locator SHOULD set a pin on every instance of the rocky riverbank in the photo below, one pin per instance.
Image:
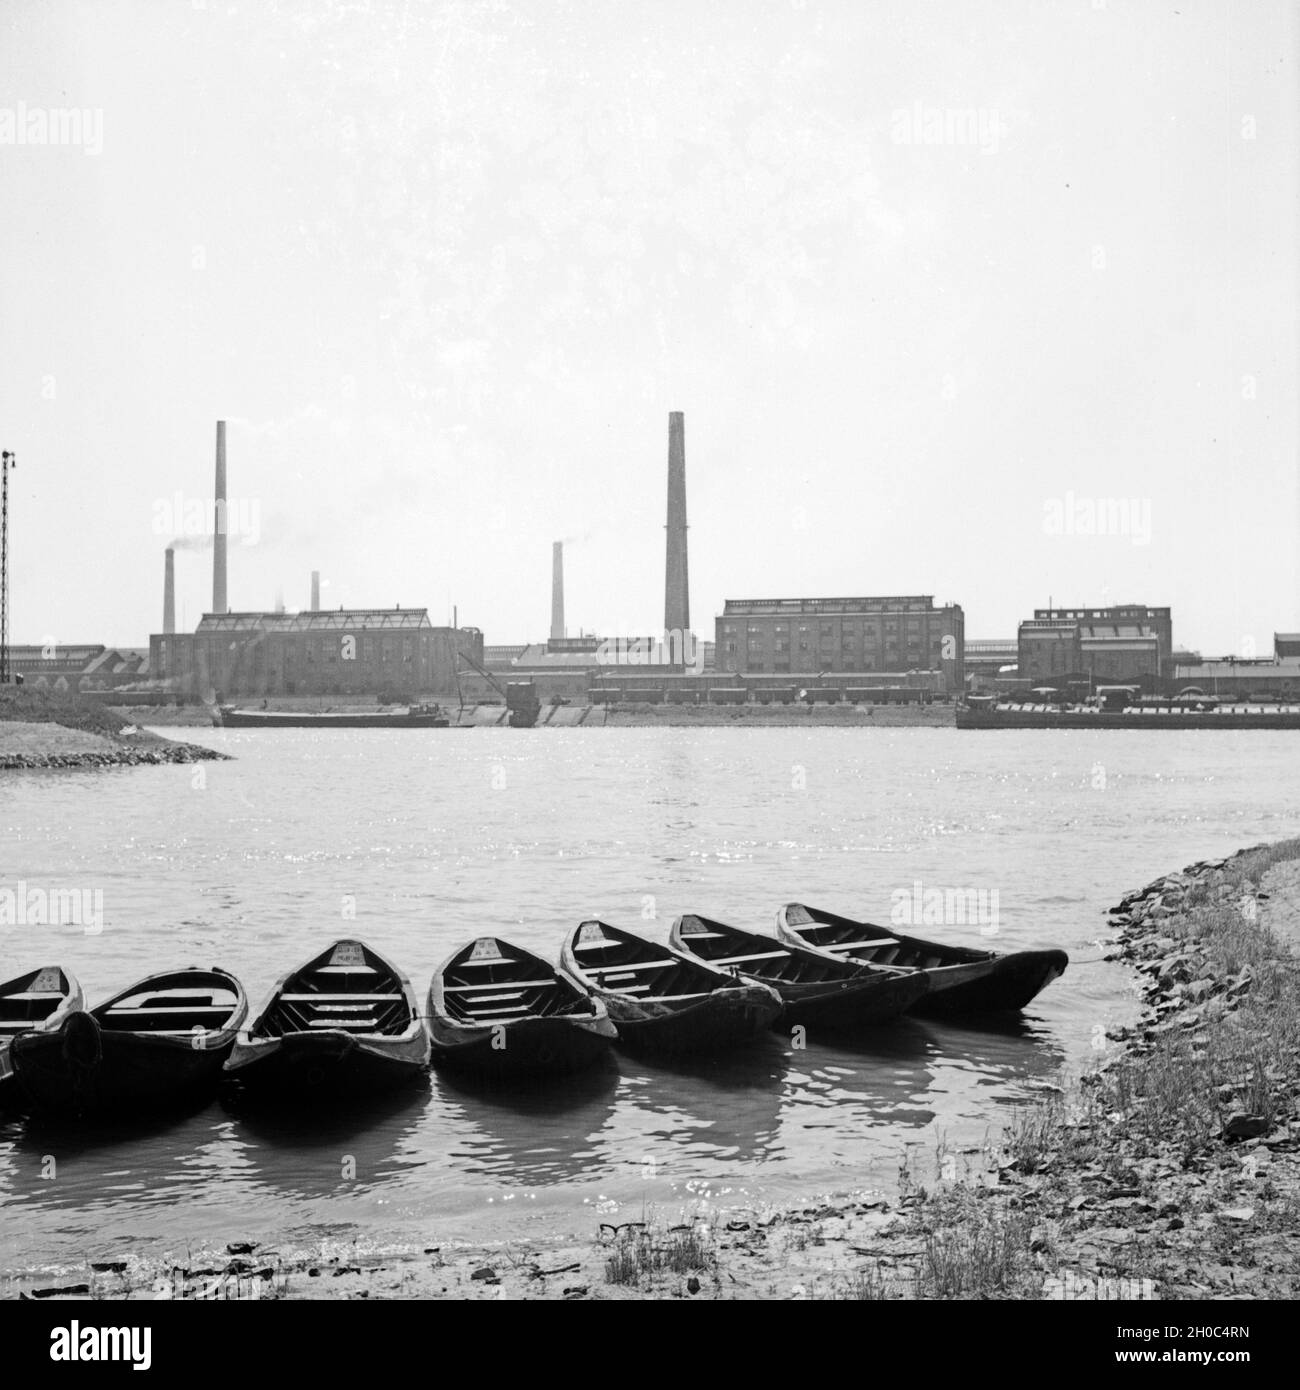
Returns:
(39, 732)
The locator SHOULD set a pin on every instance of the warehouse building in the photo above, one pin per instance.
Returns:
(389, 653)
(78, 668)
(1128, 642)
(878, 638)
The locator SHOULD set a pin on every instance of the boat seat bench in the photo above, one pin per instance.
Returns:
(501, 984)
(859, 945)
(628, 969)
(156, 1011)
(758, 955)
(331, 998)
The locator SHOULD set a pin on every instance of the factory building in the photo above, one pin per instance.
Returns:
(881, 638)
(989, 660)
(88, 667)
(1128, 642)
(1240, 678)
(392, 653)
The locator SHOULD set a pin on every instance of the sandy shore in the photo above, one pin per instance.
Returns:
(1170, 1171)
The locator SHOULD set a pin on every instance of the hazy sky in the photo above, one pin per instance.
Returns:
(929, 280)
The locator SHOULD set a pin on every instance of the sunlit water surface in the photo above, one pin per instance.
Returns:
(432, 837)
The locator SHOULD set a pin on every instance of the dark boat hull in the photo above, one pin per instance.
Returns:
(1003, 985)
(304, 1066)
(703, 1024)
(844, 1006)
(833, 995)
(85, 1070)
(289, 719)
(528, 1046)
(962, 980)
(1258, 717)
(23, 1002)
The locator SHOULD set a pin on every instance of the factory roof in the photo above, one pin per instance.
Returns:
(894, 603)
(1242, 666)
(62, 651)
(318, 620)
(1116, 632)
(1107, 614)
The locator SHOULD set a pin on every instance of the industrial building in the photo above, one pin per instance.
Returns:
(991, 659)
(1235, 678)
(79, 667)
(882, 639)
(385, 653)
(395, 653)
(1127, 642)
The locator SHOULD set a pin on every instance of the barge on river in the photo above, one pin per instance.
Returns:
(416, 717)
(1122, 707)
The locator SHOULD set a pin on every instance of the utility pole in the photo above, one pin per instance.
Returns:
(7, 461)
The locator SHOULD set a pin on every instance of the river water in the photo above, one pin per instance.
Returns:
(417, 841)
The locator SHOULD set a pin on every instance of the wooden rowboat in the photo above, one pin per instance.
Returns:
(348, 1020)
(662, 999)
(962, 979)
(498, 1008)
(163, 1040)
(36, 1002)
(817, 990)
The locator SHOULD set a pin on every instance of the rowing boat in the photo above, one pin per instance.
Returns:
(36, 1002)
(348, 1020)
(162, 1040)
(962, 978)
(498, 1008)
(816, 989)
(662, 999)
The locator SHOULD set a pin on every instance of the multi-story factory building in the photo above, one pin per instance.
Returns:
(875, 636)
(1126, 642)
(393, 652)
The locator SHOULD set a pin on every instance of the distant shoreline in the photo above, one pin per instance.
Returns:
(933, 716)
(38, 732)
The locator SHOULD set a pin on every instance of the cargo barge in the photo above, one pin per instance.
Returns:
(417, 717)
(1122, 707)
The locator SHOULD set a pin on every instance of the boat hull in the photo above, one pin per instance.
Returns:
(527, 1046)
(83, 1069)
(20, 1003)
(307, 1065)
(847, 1005)
(1003, 985)
(289, 719)
(1255, 717)
(962, 980)
(703, 1024)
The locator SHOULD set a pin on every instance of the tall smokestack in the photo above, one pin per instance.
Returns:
(169, 590)
(219, 526)
(677, 601)
(315, 591)
(557, 589)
